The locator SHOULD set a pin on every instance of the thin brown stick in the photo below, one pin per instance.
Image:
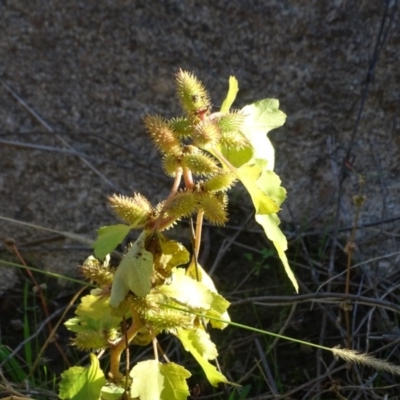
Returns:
(317, 297)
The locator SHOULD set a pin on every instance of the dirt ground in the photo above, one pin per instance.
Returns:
(85, 73)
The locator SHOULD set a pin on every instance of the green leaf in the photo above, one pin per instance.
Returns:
(134, 273)
(79, 383)
(11, 365)
(200, 340)
(231, 96)
(256, 175)
(270, 184)
(175, 386)
(219, 304)
(267, 195)
(112, 392)
(152, 380)
(94, 314)
(260, 118)
(270, 224)
(188, 291)
(199, 347)
(249, 175)
(173, 253)
(237, 157)
(109, 237)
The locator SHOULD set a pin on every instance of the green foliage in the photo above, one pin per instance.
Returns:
(94, 325)
(109, 237)
(80, 383)
(231, 96)
(256, 173)
(198, 343)
(11, 366)
(151, 292)
(152, 380)
(133, 274)
(111, 392)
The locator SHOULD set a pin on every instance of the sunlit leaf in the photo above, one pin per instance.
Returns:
(201, 341)
(175, 386)
(260, 118)
(134, 273)
(193, 344)
(109, 237)
(256, 175)
(219, 304)
(270, 224)
(238, 156)
(188, 291)
(111, 392)
(80, 383)
(152, 380)
(231, 96)
(248, 175)
(270, 184)
(94, 314)
(173, 253)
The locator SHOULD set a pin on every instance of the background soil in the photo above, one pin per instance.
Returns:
(93, 70)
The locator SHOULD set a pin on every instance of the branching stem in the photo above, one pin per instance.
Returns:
(165, 221)
(117, 348)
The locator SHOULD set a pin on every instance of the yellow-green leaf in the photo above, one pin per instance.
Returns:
(270, 184)
(112, 392)
(238, 156)
(93, 313)
(260, 118)
(248, 175)
(133, 274)
(231, 96)
(80, 383)
(270, 224)
(152, 380)
(192, 343)
(219, 304)
(109, 237)
(188, 291)
(175, 386)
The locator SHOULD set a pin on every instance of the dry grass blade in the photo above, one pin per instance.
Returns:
(356, 357)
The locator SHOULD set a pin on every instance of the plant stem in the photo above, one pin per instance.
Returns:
(197, 237)
(177, 182)
(188, 177)
(155, 342)
(160, 222)
(117, 348)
